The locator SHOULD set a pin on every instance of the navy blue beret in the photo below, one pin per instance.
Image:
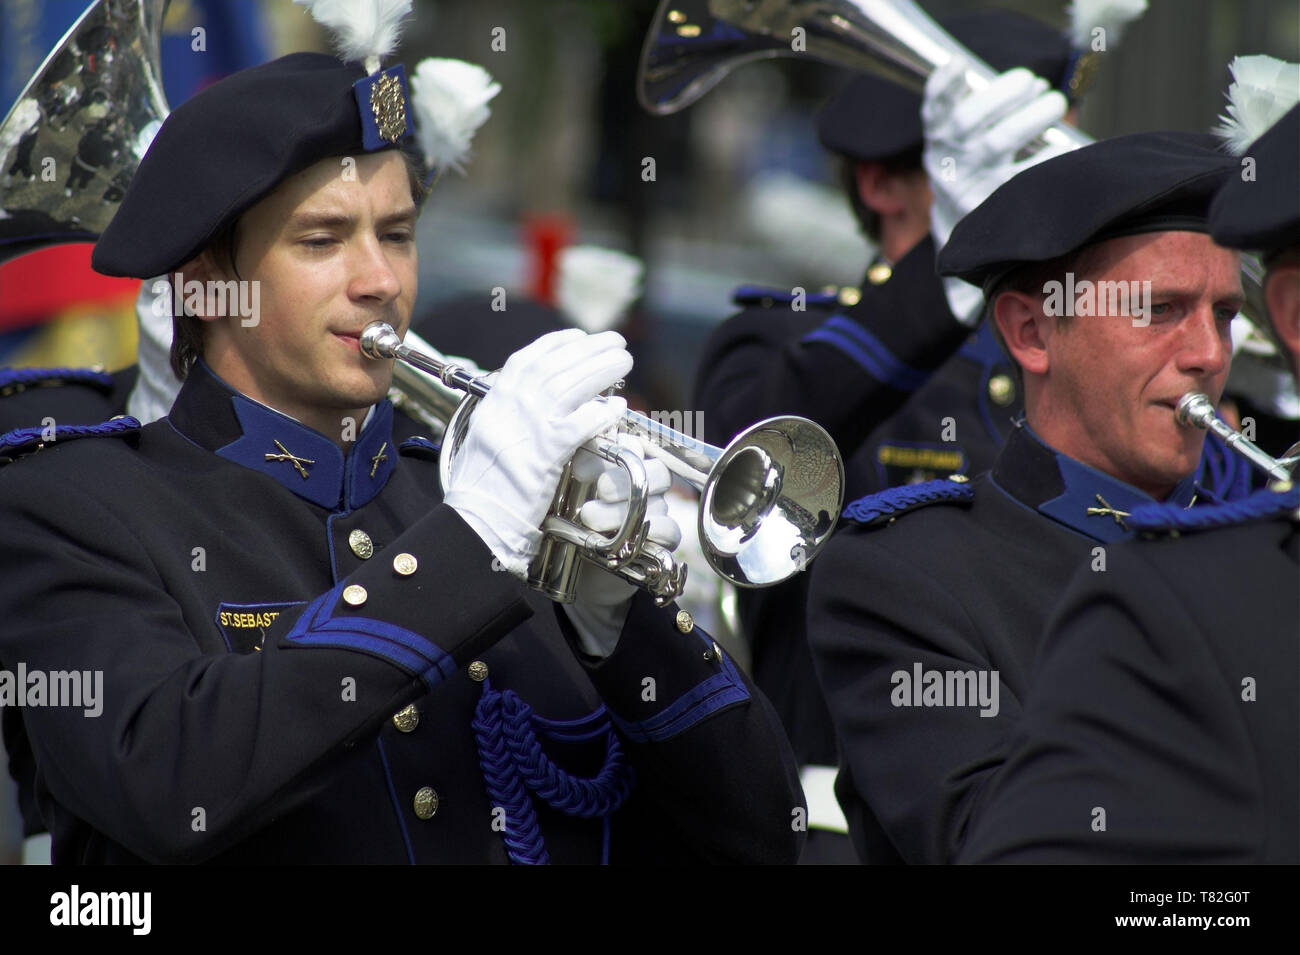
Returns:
(224, 149)
(1263, 213)
(872, 118)
(1145, 182)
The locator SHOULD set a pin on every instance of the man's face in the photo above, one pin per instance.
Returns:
(333, 249)
(1110, 388)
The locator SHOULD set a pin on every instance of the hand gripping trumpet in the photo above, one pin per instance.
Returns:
(768, 501)
(1195, 410)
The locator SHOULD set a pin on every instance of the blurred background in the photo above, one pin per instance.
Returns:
(742, 192)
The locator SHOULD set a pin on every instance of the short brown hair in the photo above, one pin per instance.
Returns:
(187, 329)
(1032, 279)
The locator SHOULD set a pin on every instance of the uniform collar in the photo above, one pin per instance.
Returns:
(1070, 492)
(233, 426)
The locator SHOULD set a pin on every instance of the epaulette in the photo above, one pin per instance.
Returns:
(884, 506)
(1170, 520)
(23, 441)
(420, 447)
(15, 380)
(749, 296)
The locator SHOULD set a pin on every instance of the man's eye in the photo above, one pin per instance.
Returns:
(399, 237)
(1225, 314)
(318, 242)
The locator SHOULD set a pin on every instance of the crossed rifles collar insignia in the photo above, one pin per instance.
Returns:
(286, 455)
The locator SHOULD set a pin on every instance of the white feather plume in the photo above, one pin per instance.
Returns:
(1111, 15)
(595, 286)
(450, 100)
(361, 30)
(1263, 89)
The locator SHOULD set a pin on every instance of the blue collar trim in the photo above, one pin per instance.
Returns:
(1096, 504)
(215, 416)
(310, 464)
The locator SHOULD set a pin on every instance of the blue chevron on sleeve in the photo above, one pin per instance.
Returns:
(868, 352)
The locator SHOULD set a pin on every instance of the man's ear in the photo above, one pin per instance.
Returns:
(1023, 327)
(879, 189)
(202, 269)
(1282, 297)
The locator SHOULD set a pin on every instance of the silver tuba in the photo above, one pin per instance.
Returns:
(76, 134)
(769, 500)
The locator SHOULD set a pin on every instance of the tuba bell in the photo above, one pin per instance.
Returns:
(693, 44)
(76, 134)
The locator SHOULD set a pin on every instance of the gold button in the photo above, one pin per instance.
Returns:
(405, 564)
(880, 273)
(1279, 485)
(478, 671)
(425, 802)
(684, 622)
(1002, 389)
(354, 595)
(958, 478)
(361, 544)
(713, 653)
(407, 718)
(849, 296)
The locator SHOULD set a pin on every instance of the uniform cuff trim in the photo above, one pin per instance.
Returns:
(718, 691)
(318, 628)
(868, 352)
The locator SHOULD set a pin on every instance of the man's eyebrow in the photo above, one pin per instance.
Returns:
(334, 220)
(401, 215)
(1235, 297)
(313, 220)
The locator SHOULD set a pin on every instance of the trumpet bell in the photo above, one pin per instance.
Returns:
(771, 501)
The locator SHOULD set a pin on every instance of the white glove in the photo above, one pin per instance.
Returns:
(541, 408)
(971, 142)
(603, 600)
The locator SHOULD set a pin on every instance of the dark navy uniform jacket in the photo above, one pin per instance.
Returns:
(1167, 695)
(329, 669)
(965, 584)
(848, 368)
(956, 423)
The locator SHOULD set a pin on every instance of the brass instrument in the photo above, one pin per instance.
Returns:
(1195, 410)
(693, 44)
(769, 500)
(74, 137)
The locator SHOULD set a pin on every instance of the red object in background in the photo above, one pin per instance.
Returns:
(39, 285)
(545, 237)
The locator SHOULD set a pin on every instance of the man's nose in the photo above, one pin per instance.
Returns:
(373, 275)
(1205, 347)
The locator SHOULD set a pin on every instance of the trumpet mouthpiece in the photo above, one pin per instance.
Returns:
(378, 340)
(1194, 410)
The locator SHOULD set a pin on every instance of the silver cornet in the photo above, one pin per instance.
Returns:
(1195, 410)
(768, 501)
